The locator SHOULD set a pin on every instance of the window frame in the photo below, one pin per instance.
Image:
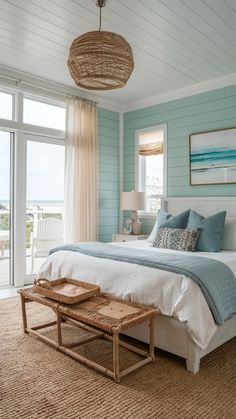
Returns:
(140, 165)
(21, 130)
(13, 112)
(42, 140)
(46, 101)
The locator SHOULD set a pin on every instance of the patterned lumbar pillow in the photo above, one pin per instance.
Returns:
(176, 238)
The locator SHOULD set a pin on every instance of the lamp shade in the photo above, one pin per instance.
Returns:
(132, 201)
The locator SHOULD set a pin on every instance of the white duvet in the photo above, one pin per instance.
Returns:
(175, 294)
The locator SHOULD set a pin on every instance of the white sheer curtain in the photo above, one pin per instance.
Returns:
(81, 173)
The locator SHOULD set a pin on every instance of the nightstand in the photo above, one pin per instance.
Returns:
(128, 237)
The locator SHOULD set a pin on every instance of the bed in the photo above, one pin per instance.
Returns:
(186, 326)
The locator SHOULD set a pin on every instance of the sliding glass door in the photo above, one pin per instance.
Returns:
(32, 146)
(6, 245)
(44, 199)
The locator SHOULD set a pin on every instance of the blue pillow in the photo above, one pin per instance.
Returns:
(211, 230)
(164, 219)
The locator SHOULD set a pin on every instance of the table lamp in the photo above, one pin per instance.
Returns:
(133, 201)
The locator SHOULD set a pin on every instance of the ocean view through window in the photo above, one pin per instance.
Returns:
(5, 208)
(32, 145)
(45, 194)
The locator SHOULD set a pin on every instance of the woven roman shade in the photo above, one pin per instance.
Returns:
(151, 149)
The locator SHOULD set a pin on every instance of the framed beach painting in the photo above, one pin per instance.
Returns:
(213, 157)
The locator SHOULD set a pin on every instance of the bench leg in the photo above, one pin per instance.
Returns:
(116, 366)
(151, 345)
(59, 336)
(23, 309)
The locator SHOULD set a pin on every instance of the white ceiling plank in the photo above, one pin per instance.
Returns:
(176, 43)
(19, 13)
(208, 21)
(148, 81)
(64, 17)
(170, 11)
(175, 36)
(31, 47)
(158, 66)
(140, 35)
(194, 14)
(231, 4)
(16, 59)
(42, 60)
(224, 12)
(34, 62)
(49, 4)
(35, 41)
(145, 47)
(165, 36)
(7, 50)
(31, 28)
(153, 72)
(35, 10)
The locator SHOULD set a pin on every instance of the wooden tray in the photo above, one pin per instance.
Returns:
(65, 290)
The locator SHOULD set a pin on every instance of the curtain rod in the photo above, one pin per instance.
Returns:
(66, 95)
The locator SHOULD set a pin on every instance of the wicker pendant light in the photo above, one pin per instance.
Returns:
(100, 60)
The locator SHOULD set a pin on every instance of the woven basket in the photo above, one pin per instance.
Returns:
(100, 60)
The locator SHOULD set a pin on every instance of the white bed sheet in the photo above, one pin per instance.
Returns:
(175, 294)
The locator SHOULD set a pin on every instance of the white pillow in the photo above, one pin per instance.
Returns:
(229, 235)
(153, 234)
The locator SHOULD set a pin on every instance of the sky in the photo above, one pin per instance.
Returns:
(4, 165)
(45, 162)
(45, 170)
(5, 106)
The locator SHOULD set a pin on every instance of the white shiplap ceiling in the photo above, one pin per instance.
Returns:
(176, 43)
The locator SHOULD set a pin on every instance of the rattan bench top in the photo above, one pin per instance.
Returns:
(105, 312)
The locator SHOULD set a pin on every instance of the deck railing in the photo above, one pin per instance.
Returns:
(32, 218)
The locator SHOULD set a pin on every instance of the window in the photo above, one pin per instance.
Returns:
(45, 171)
(150, 146)
(6, 105)
(5, 208)
(31, 172)
(44, 193)
(44, 114)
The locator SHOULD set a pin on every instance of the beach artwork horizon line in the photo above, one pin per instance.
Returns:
(213, 157)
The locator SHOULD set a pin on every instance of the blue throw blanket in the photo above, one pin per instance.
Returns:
(216, 280)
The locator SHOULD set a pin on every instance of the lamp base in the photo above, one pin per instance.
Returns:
(137, 227)
(133, 224)
(129, 224)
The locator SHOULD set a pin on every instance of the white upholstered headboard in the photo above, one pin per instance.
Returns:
(206, 207)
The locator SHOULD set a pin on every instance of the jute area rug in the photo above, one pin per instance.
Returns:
(36, 381)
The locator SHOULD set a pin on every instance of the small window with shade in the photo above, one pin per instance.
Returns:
(150, 165)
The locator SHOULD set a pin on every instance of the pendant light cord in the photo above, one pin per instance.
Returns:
(100, 4)
(100, 17)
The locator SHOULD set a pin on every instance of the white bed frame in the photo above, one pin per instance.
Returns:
(172, 335)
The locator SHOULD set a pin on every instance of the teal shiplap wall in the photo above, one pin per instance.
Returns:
(108, 148)
(202, 112)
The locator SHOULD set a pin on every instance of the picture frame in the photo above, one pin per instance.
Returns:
(212, 157)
